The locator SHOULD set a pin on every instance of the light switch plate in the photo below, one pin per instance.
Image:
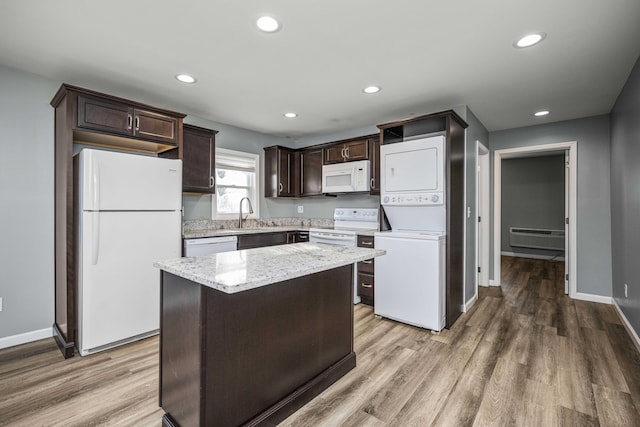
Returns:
(0, 303)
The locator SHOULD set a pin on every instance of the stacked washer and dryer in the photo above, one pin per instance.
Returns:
(410, 278)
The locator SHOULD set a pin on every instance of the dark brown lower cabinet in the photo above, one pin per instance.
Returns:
(258, 240)
(365, 278)
(254, 357)
(365, 288)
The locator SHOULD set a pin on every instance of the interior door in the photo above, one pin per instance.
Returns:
(567, 189)
(482, 207)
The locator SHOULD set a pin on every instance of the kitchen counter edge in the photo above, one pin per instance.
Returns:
(237, 271)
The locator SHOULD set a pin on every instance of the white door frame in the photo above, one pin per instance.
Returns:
(483, 212)
(570, 256)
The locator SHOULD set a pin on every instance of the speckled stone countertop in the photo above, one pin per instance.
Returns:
(235, 231)
(199, 228)
(238, 271)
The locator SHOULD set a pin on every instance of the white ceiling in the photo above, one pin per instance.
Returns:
(426, 55)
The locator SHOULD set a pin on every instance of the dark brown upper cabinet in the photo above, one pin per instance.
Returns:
(198, 159)
(346, 151)
(374, 158)
(281, 172)
(119, 118)
(311, 172)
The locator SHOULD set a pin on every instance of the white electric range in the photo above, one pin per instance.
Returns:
(347, 224)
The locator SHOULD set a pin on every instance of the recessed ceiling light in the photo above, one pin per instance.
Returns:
(530, 40)
(290, 115)
(268, 24)
(186, 78)
(371, 89)
(541, 113)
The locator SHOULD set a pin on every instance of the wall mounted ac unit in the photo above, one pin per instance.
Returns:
(536, 238)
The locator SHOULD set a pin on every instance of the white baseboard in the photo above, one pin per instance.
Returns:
(470, 303)
(25, 338)
(493, 283)
(632, 333)
(534, 256)
(592, 298)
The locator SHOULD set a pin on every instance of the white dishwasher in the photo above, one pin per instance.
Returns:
(210, 245)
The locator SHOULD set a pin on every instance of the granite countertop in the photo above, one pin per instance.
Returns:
(196, 234)
(238, 271)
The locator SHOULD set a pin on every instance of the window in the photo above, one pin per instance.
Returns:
(236, 177)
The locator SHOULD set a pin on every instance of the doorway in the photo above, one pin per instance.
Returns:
(570, 205)
(482, 208)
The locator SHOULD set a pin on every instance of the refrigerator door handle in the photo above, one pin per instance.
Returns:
(95, 237)
(95, 182)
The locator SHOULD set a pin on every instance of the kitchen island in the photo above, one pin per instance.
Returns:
(248, 337)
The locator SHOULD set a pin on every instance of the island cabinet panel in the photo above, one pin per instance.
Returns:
(180, 349)
(252, 357)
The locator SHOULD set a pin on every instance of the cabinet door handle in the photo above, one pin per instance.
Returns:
(137, 123)
(366, 243)
(373, 180)
(280, 187)
(364, 285)
(212, 182)
(367, 261)
(301, 173)
(346, 150)
(129, 121)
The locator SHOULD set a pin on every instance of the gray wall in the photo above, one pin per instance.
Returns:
(625, 197)
(593, 214)
(26, 202)
(532, 196)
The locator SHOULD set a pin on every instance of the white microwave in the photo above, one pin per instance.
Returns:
(346, 177)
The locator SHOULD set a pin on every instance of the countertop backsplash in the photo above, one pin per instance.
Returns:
(190, 226)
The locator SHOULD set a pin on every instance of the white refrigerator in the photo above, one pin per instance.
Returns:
(128, 215)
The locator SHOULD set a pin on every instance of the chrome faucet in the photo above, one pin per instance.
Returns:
(250, 210)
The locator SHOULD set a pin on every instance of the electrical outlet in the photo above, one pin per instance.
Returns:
(300, 209)
(626, 291)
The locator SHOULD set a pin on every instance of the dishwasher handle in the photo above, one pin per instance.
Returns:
(330, 236)
(209, 240)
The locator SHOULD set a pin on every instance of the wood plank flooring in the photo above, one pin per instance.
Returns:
(524, 355)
